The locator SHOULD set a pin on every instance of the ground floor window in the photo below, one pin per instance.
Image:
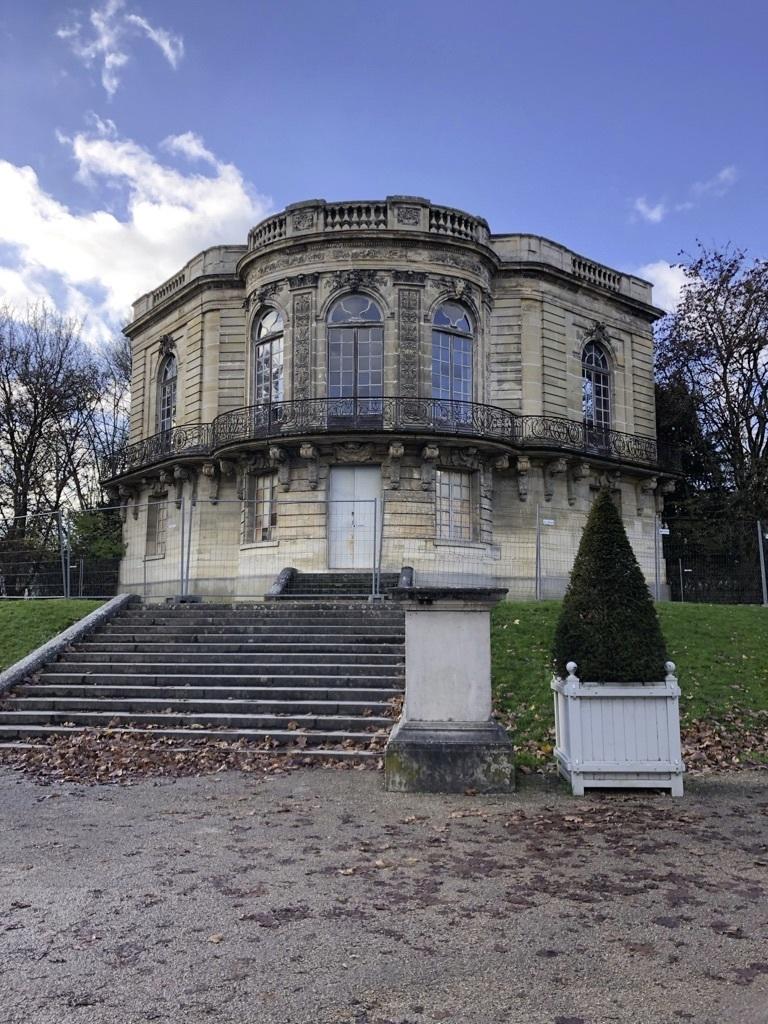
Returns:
(260, 514)
(157, 523)
(456, 505)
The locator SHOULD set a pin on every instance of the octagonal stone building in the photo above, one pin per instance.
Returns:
(374, 384)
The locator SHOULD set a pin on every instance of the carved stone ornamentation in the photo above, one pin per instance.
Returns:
(429, 455)
(303, 220)
(466, 458)
(180, 477)
(411, 277)
(354, 452)
(501, 463)
(268, 291)
(354, 280)
(309, 453)
(557, 467)
(303, 281)
(409, 215)
(210, 472)
(392, 465)
(578, 472)
(409, 315)
(167, 345)
(126, 495)
(645, 492)
(523, 468)
(302, 348)
(278, 458)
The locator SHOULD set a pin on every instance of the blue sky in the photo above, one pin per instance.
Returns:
(135, 132)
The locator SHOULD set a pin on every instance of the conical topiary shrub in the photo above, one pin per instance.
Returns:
(608, 624)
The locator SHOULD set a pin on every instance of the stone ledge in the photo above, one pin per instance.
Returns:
(52, 648)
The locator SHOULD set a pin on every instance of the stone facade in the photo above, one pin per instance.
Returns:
(507, 424)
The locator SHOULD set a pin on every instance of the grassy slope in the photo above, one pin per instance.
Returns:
(719, 650)
(24, 625)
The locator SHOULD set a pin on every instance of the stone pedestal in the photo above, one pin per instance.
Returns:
(446, 741)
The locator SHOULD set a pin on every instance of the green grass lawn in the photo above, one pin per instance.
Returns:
(721, 653)
(24, 625)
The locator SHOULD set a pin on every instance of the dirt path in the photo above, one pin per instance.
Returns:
(314, 897)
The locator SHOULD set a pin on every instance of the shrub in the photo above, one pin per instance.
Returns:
(608, 624)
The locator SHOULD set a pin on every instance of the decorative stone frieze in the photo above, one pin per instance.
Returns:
(302, 355)
(409, 304)
(298, 281)
(356, 452)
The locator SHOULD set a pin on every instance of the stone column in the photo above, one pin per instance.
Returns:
(446, 741)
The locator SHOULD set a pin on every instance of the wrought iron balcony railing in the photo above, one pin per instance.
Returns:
(421, 416)
(194, 439)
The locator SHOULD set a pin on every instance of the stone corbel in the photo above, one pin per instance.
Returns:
(126, 495)
(523, 468)
(467, 457)
(278, 459)
(211, 473)
(557, 467)
(664, 487)
(394, 455)
(430, 453)
(310, 454)
(579, 471)
(501, 463)
(180, 477)
(644, 494)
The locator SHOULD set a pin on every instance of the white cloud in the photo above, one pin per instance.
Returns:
(99, 261)
(111, 31)
(189, 145)
(653, 214)
(718, 185)
(667, 281)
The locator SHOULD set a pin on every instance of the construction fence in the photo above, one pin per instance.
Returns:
(235, 549)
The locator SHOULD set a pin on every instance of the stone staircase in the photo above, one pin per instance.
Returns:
(335, 584)
(316, 674)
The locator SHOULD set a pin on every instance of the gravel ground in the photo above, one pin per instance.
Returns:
(314, 897)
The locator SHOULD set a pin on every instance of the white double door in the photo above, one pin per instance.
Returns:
(354, 516)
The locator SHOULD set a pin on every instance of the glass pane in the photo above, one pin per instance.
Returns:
(354, 309)
(270, 323)
(450, 314)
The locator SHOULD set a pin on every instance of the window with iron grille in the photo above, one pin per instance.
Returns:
(157, 523)
(260, 513)
(456, 505)
(596, 387)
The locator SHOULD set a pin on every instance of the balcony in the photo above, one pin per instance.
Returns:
(401, 416)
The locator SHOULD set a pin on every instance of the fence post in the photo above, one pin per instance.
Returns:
(656, 559)
(761, 550)
(182, 547)
(538, 554)
(682, 583)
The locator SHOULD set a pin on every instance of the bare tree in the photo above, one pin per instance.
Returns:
(50, 383)
(713, 351)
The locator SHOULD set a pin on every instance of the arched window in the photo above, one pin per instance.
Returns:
(356, 352)
(452, 353)
(595, 387)
(166, 395)
(267, 337)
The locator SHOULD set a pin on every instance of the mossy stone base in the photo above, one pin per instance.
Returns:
(439, 757)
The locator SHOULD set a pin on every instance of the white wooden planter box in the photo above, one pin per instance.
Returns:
(618, 735)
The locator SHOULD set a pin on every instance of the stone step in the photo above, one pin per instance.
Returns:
(253, 646)
(70, 665)
(329, 745)
(211, 679)
(185, 704)
(46, 691)
(117, 630)
(193, 654)
(262, 722)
